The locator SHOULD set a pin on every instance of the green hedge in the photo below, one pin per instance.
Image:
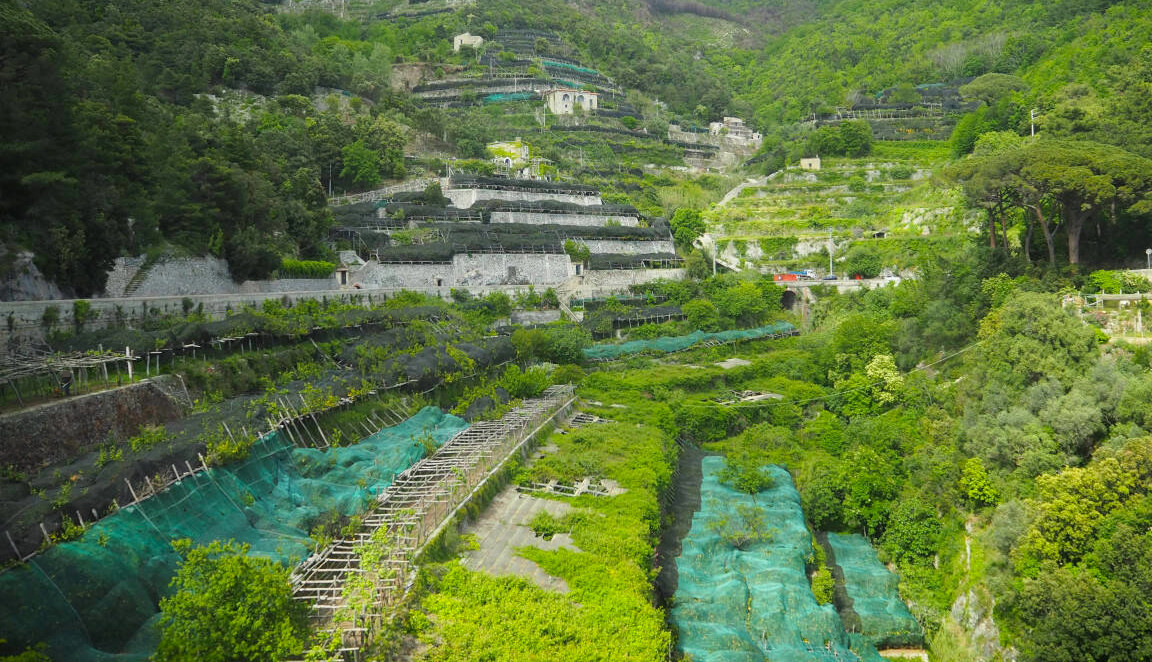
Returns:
(290, 268)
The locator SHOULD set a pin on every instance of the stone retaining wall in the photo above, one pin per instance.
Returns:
(55, 432)
(596, 283)
(585, 220)
(199, 275)
(464, 198)
(628, 247)
(512, 269)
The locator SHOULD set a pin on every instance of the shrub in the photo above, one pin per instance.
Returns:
(745, 528)
(743, 472)
(545, 525)
(568, 374)
(229, 605)
(290, 268)
(525, 383)
(823, 585)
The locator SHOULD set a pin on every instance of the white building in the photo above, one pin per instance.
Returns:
(469, 40)
(565, 101)
(810, 163)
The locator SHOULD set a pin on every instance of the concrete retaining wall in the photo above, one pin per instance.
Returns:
(586, 220)
(55, 432)
(464, 198)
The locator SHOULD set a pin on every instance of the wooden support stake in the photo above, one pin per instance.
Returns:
(175, 472)
(14, 547)
(47, 538)
(132, 490)
(95, 515)
(81, 518)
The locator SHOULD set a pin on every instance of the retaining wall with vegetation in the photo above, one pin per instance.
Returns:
(49, 433)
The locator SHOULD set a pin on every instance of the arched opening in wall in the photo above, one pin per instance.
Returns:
(788, 301)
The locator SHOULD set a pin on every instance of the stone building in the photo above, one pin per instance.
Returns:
(812, 163)
(565, 101)
(469, 40)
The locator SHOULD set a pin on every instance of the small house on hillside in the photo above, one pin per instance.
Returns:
(812, 163)
(469, 40)
(510, 153)
(565, 101)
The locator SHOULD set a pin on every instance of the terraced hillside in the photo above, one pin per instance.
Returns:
(878, 210)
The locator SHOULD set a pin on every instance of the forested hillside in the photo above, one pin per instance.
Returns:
(209, 127)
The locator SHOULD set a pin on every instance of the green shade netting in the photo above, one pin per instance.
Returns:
(510, 96)
(754, 604)
(873, 607)
(573, 67)
(95, 598)
(667, 344)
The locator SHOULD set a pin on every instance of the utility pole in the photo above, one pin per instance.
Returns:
(1148, 253)
(1032, 115)
(831, 272)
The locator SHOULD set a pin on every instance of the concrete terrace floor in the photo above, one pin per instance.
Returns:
(504, 527)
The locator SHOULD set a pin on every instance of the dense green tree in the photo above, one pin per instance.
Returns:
(1030, 338)
(687, 226)
(228, 605)
(913, 531)
(702, 315)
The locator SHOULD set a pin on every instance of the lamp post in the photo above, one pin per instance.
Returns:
(1148, 254)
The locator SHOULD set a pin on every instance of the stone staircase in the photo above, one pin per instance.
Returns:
(138, 278)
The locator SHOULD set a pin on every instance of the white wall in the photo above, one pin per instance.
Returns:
(585, 220)
(493, 269)
(621, 247)
(464, 198)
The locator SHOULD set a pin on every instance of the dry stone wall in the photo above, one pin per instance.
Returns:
(55, 432)
(610, 281)
(198, 275)
(625, 247)
(476, 270)
(464, 198)
(512, 269)
(584, 220)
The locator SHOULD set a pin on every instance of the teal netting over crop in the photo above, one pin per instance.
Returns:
(754, 604)
(608, 351)
(573, 67)
(510, 96)
(96, 598)
(873, 606)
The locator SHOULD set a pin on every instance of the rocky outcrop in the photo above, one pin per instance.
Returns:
(972, 611)
(20, 280)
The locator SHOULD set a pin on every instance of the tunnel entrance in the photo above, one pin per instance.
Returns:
(788, 301)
